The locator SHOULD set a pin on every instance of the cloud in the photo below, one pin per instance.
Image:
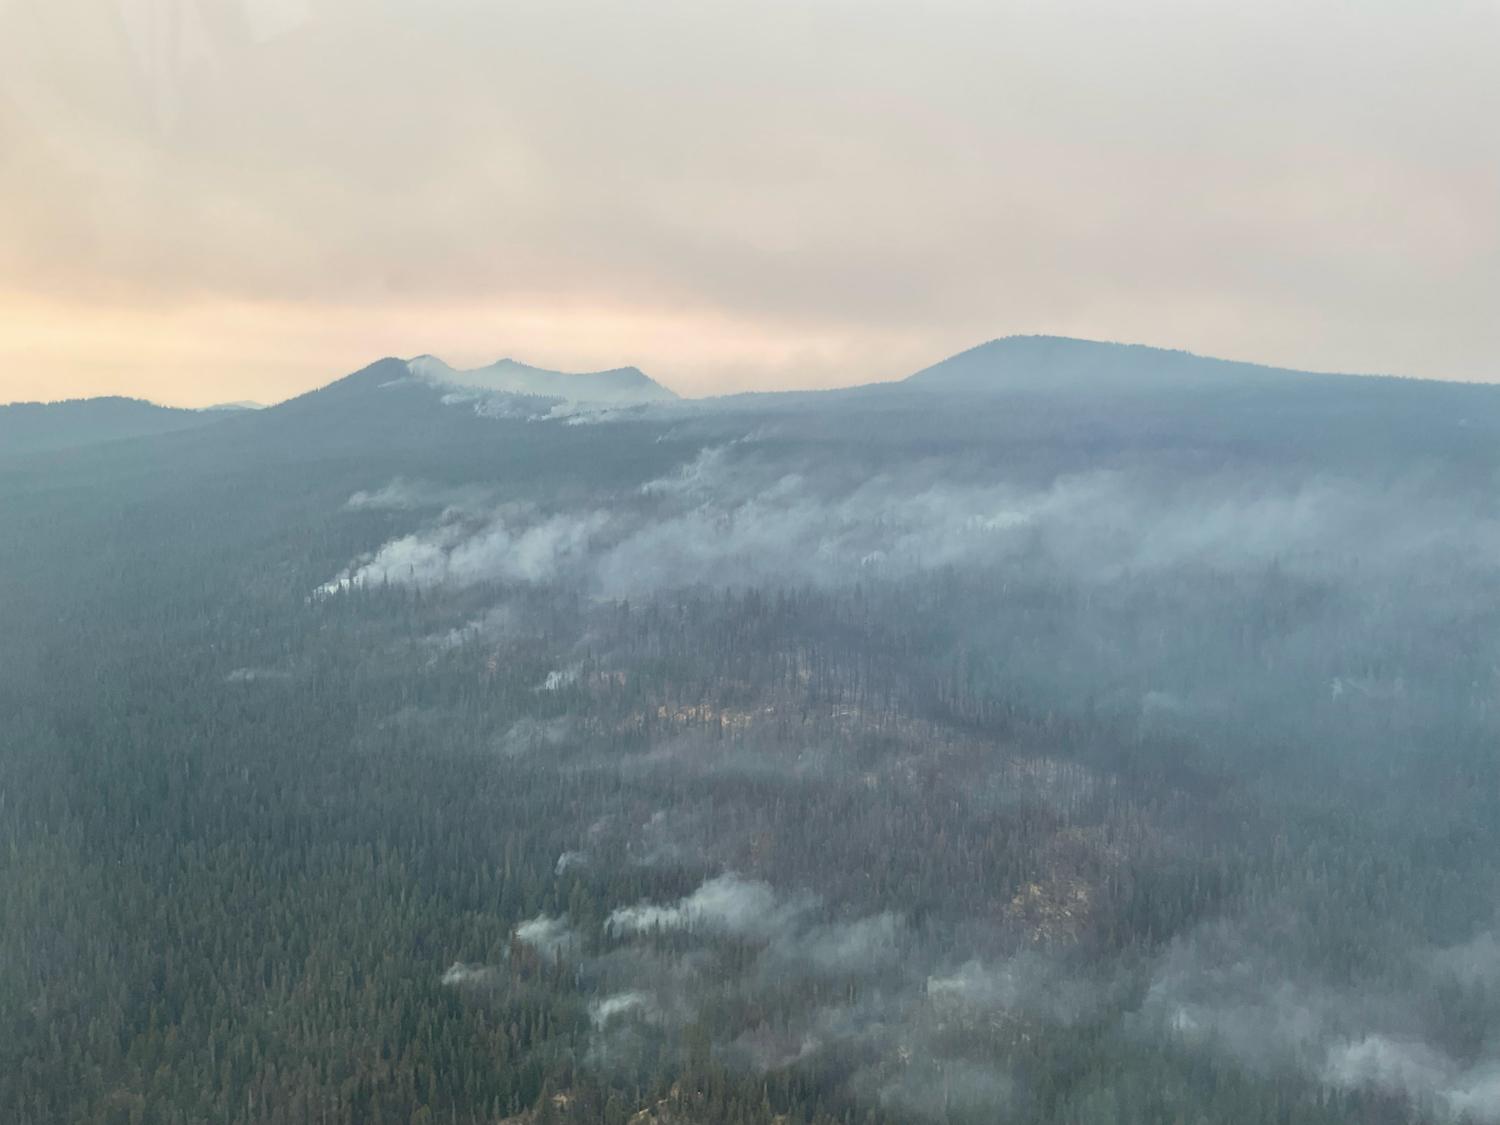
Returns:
(805, 234)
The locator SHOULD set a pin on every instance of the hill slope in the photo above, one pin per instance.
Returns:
(30, 427)
(1060, 363)
(868, 756)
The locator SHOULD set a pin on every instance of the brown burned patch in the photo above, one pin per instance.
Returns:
(728, 720)
(565, 1105)
(679, 1107)
(1053, 912)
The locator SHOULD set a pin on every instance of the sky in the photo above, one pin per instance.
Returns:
(217, 200)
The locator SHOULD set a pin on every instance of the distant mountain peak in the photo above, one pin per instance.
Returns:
(1067, 363)
(617, 386)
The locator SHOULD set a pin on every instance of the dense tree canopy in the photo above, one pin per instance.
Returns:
(875, 756)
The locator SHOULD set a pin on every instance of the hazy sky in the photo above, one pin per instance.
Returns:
(204, 200)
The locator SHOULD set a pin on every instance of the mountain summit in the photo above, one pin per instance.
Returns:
(618, 386)
(1059, 363)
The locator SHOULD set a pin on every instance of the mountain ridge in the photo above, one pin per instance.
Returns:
(1007, 364)
(32, 427)
(614, 386)
(1039, 362)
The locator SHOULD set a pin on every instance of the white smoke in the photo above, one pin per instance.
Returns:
(457, 554)
(559, 678)
(551, 937)
(1215, 990)
(605, 1010)
(733, 516)
(727, 905)
(528, 735)
(461, 975)
(402, 495)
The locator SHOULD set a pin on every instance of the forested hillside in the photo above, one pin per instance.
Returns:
(29, 427)
(1018, 743)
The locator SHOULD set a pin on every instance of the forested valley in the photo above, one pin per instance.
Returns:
(1067, 734)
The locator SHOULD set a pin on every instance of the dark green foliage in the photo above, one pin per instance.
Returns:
(245, 831)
